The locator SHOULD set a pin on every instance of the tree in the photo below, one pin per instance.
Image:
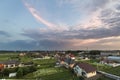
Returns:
(19, 73)
(94, 52)
(81, 78)
(26, 70)
(32, 68)
(5, 72)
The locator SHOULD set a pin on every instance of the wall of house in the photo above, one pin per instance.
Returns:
(91, 74)
(1, 66)
(10, 66)
(78, 70)
(71, 65)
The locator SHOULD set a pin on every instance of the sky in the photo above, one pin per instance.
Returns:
(59, 24)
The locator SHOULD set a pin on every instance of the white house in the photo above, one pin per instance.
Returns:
(11, 63)
(84, 69)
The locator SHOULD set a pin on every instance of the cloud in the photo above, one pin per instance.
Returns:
(94, 13)
(34, 45)
(74, 34)
(18, 45)
(37, 16)
(99, 28)
(3, 33)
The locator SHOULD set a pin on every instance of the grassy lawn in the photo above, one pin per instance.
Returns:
(104, 78)
(115, 70)
(52, 74)
(47, 71)
(7, 56)
(25, 59)
(45, 63)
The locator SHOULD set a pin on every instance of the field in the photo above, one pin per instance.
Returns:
(7, 56)
(47, 71)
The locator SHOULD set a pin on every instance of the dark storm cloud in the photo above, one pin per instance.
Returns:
(3, 33)
(17, 45)
(76, 34)
(99, 33)
(33, 45)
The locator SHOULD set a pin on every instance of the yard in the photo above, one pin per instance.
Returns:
(47, 71)
(51, 74)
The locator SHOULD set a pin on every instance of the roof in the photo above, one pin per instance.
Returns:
(71, 55)
(87, 67)
(10, 62)
(28, 63)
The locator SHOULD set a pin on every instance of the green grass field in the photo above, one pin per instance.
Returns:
(47, 71)
(51, 74)
(7, 56)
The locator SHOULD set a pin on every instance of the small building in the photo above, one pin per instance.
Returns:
(37, 57)
(114, 58)
(111, 61)
(22, 54)
(47, 57)
(12, 75)
(64, 61)
(1, 67)
(72, 56)
(10, 64)
(84, 69)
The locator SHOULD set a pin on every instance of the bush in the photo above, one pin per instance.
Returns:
(32, 68)
(19, 73)
(81, 78)
(6, 72)
(26, 70)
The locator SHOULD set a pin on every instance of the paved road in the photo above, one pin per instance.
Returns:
(109, 75)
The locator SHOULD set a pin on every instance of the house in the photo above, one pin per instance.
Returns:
(72, 56)
(114, 58)
(46, 57)
(1, 67)
(64, 61)
(37, 57)
(26, 64)
(84, 69)
(22, 54)
(10, 64)
(111, 61)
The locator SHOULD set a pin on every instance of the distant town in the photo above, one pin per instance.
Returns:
(60, 65)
